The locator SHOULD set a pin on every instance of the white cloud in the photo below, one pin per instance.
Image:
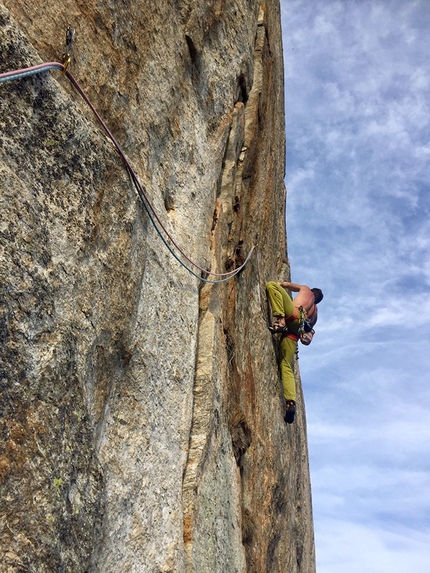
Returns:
(357, 109)
(374, 550)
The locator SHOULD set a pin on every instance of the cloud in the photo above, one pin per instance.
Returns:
(375, 550)
(358, 203)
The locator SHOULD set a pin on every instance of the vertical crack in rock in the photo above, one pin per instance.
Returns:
(237, 414)
(210, 448)
(203, 421)
(219, 434)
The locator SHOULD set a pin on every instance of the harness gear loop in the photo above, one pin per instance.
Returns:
(306, 332)
(302, 319)
(305, 325)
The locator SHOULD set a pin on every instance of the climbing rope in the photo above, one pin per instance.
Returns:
(33, 70)
(141, 193)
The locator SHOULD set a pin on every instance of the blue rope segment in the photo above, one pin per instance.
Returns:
(25, 73)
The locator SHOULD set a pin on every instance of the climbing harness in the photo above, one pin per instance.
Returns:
(167, 238)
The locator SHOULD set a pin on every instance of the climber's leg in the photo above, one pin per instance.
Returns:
(287, 350)
(280, 301)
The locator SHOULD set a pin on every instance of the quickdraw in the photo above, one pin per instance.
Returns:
(67, 56)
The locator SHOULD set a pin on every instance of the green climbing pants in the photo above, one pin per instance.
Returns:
(282, 305)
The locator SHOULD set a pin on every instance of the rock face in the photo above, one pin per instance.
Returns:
(142, 417)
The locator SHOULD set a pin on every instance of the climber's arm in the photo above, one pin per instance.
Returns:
(304, 298)
(291, 286)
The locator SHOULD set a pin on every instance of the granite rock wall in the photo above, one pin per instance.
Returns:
(141, 420)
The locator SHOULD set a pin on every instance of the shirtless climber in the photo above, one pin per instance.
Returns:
(287, 322)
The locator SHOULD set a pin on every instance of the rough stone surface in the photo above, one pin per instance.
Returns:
(141, 420)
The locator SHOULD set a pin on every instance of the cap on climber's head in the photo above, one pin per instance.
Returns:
(318, 294)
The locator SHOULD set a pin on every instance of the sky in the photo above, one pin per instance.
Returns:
(357, 89)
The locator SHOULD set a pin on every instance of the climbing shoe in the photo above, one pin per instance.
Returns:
(290, 411)
(277, 329)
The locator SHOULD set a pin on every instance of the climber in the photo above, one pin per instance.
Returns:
(288, 315)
